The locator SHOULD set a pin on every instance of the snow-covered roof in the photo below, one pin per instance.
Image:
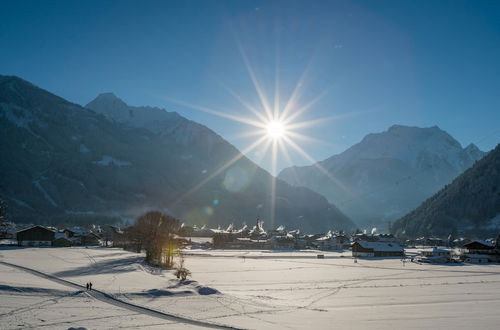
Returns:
(327, 236)
(481, 242)
(380, 246)
(435, 250)
(35, 227)
(205, 230)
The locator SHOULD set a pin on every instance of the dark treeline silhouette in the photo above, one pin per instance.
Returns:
(3, 211)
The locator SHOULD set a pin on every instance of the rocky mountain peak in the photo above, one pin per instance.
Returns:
(407, 163)
(108, 104)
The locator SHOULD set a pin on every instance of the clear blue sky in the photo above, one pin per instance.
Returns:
(419, 63)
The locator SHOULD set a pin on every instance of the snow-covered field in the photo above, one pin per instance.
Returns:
(243, 289)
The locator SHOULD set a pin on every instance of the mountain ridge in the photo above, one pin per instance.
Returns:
(406, 163)
(69, 163)
(470, 203)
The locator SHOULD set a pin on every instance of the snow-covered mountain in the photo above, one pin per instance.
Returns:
(65, 163)
(470, 204)
(154, 119)
(387, 174)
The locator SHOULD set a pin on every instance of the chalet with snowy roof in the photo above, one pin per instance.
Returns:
(460, 242)
(283, 242)
(429, 241)
(203, 232)
(332, 242)
(480, 247)
(389, 238)
(74, 232)
(376, 249)
(434, 255)
(364, 237)
(248, 243)
(280, 231)
(479, 251)
(35, 236)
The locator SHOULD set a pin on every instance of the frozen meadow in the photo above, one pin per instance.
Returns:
(241, 289)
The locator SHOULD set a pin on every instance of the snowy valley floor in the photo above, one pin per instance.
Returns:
(242, 289)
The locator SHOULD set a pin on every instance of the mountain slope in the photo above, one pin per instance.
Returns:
(68, 163)
(470, 203)
(387, 174)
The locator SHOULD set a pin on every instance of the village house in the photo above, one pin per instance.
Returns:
(35, 236)
(480, 247)
(80, 236)
(479, 251)
(61, 240)
(111, 235)
(248, 243)
(376, 249)
(90, 239)
(429, 241)
(332, 242)
(284, 242)
(388, 238)
(434, 255)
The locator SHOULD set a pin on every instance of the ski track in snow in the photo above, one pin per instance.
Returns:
(104, 297)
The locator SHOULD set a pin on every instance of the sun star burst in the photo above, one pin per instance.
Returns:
(276, 125)
(276, 129)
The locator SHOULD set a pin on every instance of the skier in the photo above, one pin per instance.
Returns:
(90, 286)
(87, 286)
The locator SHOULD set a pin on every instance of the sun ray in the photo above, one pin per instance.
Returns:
(262, 153)
(220, 170)
(258, 89)
(304, 108)
(277, 79)
(248, 134)
(285, 152)
(322, 120)
(295, 93)
(307, 138)
(218, 113)
(316, 164)
(275, 125)
(274, 160)
(245, 104)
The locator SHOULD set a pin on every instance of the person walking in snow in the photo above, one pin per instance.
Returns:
(90, 286)
(87, 286)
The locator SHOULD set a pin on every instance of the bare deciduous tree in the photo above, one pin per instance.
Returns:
(154, 232)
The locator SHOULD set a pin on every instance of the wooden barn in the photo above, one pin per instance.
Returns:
(376, 249)
(35, 236)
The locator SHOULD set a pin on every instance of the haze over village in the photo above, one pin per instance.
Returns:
(249, 165)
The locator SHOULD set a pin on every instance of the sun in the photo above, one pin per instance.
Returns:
(275, 129)
(276, 122)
